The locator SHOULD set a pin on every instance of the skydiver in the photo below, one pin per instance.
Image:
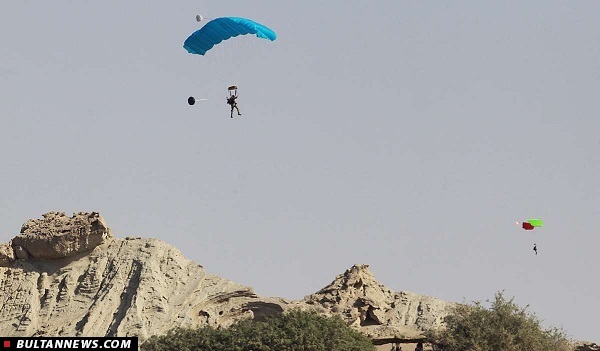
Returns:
(231, 101)
(535, 248)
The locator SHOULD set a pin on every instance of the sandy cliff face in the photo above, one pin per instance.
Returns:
(69, 276)
(117, 287)
(123, 287)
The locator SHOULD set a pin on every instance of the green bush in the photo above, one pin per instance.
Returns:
(503, 327)
(293, 331)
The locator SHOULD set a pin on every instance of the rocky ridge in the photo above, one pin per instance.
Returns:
(69, 276)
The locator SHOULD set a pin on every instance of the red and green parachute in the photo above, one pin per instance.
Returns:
(531, 223)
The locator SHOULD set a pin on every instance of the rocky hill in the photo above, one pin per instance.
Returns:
(382, 314)
(68, 276)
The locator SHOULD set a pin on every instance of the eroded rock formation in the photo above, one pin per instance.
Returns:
(378, 311)
(57, 235)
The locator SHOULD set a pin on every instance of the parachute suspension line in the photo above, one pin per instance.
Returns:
(231, 57)
(229, 63)
(238, 56)
(236, 52)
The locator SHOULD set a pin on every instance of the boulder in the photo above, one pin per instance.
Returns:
(57, 235)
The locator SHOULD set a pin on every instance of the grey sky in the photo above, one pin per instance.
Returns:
(407, 135)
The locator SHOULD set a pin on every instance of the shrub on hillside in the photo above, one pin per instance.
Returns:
(504, 326)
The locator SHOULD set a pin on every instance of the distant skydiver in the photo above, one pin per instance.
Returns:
(231, 101)
(535, 248)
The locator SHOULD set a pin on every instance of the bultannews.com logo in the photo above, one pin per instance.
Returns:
(70, 343)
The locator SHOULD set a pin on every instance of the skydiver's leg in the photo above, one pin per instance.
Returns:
(238, 110)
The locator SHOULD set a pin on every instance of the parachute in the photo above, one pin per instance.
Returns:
(532, 223)
(223, 28)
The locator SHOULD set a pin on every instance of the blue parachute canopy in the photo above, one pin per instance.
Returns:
(224, 28)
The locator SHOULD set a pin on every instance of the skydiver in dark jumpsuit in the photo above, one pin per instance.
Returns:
(231, 101)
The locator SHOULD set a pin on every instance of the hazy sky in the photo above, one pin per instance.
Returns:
(408, 135)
